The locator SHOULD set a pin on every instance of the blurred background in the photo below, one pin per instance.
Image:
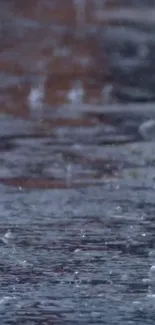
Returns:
(59, 58)
(92, 51)
(57, 47)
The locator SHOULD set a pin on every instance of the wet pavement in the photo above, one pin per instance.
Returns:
(77, 157)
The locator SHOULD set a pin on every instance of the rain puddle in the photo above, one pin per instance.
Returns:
(77, 179)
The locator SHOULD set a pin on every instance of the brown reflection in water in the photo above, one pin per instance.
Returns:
(42, 183)
(58, 10)
(67, 56)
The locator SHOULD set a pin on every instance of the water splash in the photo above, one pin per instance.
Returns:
(107, 93)
(76, 93)
(5, 300)
(8, 237)
(147, 130)
(36, 99)
(150, 281)
(68, 174)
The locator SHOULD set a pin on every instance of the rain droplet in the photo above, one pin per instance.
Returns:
(147, 130)
(77, 250)
(8, 236)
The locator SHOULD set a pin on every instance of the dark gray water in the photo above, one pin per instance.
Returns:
(77, 256)
(81, 254)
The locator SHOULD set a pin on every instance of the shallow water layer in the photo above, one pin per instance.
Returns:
(75, 256)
